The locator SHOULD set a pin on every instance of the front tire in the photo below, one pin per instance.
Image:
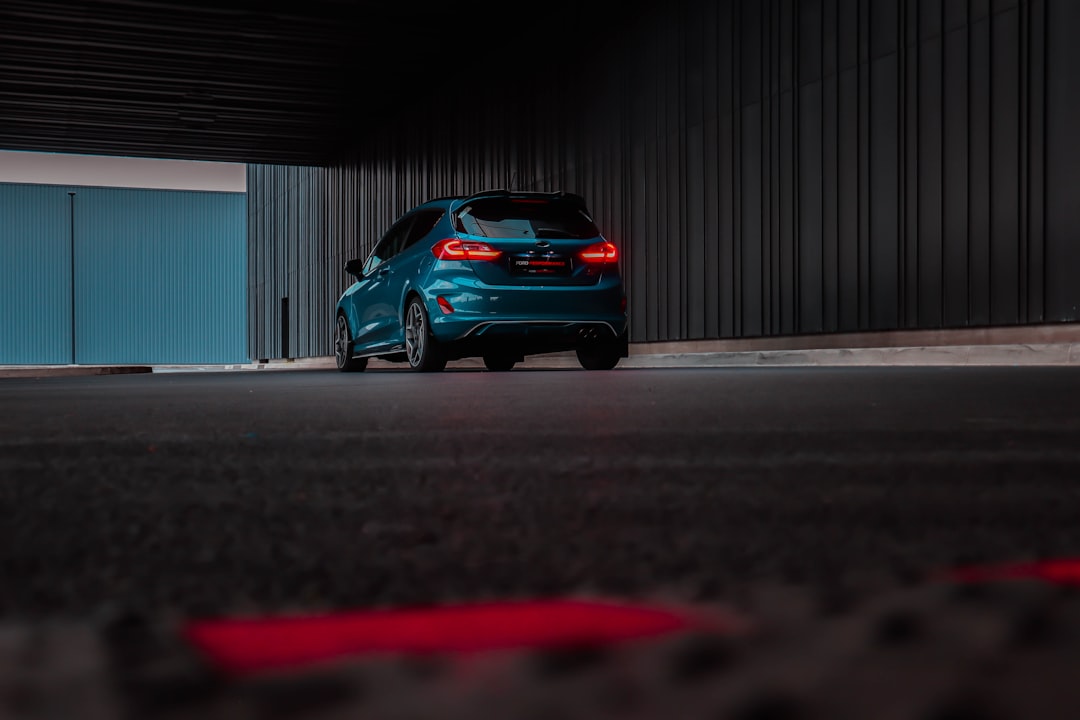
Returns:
(343, 350)
(421, 347)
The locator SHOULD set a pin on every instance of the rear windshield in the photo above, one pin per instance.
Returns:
(516, 218)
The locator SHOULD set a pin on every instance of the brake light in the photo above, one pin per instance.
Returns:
(455, 249)
(601, 252)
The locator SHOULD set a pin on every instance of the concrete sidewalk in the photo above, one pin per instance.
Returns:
(1027, 345)
(1039, 354)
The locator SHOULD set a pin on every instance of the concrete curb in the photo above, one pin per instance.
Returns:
(963, 355)
(35, 371)
(1037, 354)
(1043, 354)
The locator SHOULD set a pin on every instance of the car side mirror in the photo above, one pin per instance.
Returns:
(355, 267)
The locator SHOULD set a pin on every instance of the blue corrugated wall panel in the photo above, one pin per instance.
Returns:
(35, 272)
(160, 276)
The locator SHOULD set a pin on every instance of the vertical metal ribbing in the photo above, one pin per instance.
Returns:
(796, 309)
(736, 244)
(71, 204)
(901, 166)
(1037, 158)
(968, 159)
(629, 150)
(1023, 220)
(766, 303)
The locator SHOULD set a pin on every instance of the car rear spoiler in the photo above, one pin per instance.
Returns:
(573, 198)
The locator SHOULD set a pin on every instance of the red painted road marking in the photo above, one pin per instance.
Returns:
(251, 645)
(1064, 571)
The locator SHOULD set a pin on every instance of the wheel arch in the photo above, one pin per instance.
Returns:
(341, 311)
(409, 292)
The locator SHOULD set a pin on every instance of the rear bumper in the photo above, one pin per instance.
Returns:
(584, 330)
(520, 338)
(483, 310)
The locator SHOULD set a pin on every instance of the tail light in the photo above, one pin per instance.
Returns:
(455, 249)
(600, 253)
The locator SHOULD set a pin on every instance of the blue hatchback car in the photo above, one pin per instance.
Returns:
(498, 275)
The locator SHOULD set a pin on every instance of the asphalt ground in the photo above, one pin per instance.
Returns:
(817, 514)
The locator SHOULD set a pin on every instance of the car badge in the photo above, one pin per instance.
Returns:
(542, 244)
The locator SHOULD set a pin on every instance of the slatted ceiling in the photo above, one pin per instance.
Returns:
(226, 81)
(301, 83)
(209, 82)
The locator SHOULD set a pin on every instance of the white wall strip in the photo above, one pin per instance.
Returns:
(101, 171)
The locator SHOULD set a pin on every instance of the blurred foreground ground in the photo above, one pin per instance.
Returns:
(817, 510)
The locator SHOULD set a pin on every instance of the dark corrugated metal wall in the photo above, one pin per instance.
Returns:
(302, 225)
(768, 168)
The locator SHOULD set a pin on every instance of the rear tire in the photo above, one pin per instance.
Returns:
(499, 363)
(421, 347)
(343, 348)
(599, 357)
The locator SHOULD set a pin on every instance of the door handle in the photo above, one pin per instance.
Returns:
(384, 271)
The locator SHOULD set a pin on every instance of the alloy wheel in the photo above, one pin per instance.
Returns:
(341, 342)
(415, 335)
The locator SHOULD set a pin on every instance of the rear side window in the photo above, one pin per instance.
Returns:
(425, 223)
(518, 218)
(389, 245)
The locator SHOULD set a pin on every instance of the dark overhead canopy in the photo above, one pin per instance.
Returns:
(269, 82)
